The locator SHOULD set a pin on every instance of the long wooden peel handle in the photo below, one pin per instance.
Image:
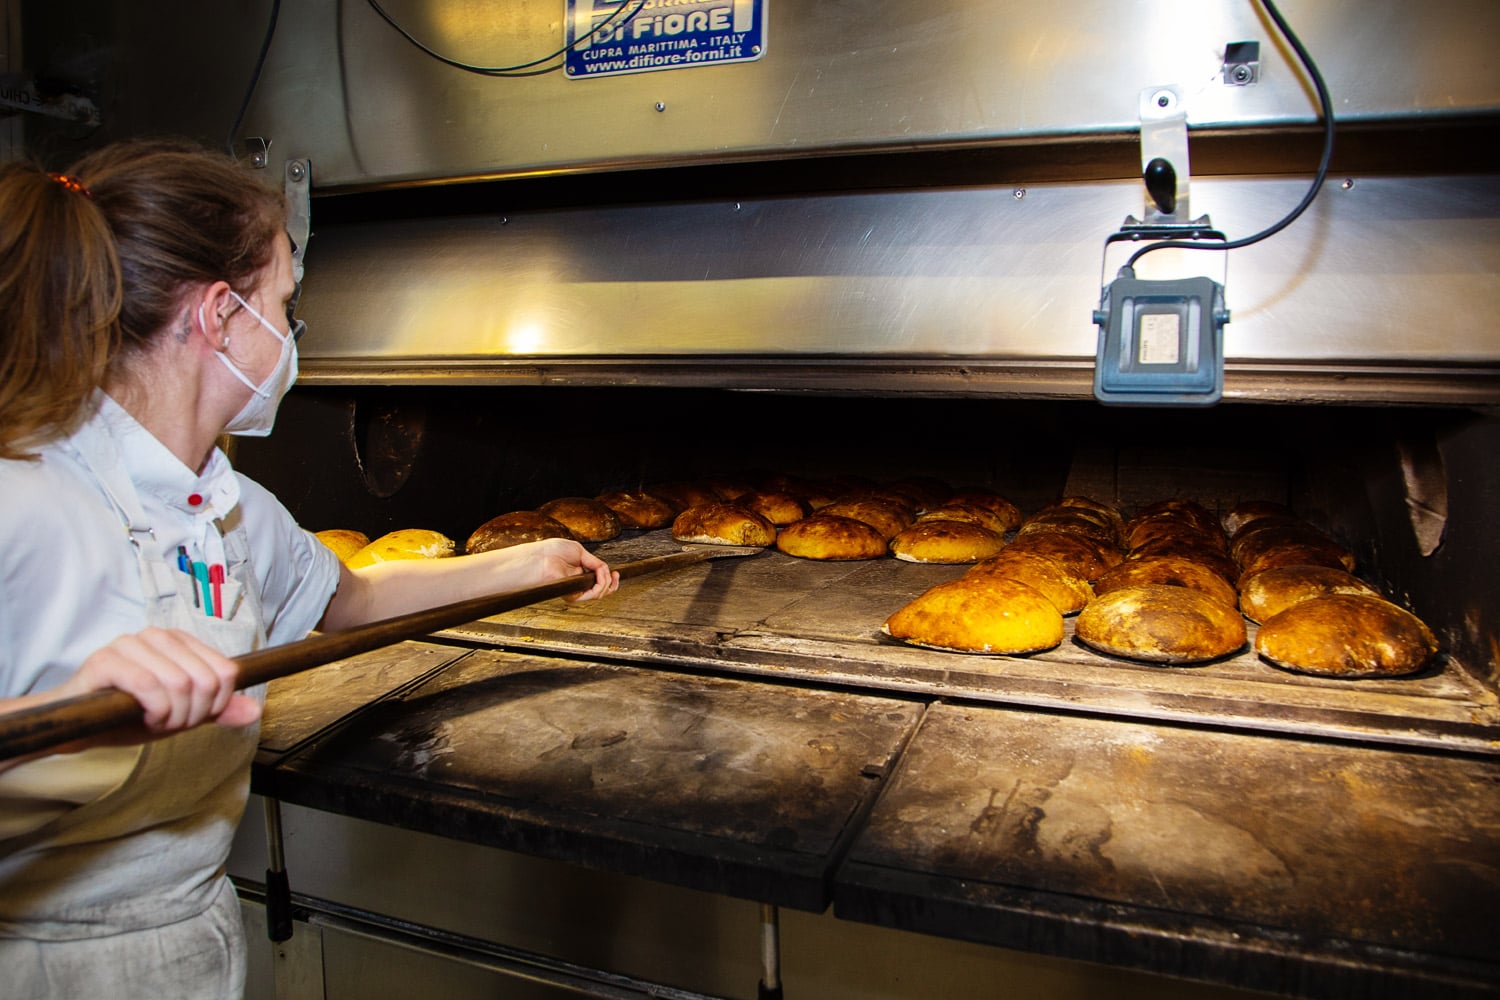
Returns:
(45, 726)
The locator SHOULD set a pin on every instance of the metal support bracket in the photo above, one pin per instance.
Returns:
(1164, 158)
(299, 210)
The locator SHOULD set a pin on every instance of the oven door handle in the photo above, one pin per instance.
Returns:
(43, 727)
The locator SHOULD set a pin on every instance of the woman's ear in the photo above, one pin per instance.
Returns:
(213, 307)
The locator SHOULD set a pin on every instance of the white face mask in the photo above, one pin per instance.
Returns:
(258, 415)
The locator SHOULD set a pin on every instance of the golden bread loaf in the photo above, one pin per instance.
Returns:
(884, 513)
(1192, 549)
(1161, 624)
(1097, 506)
(1169, 571)
(945, 542)
(1145, 530)
(1067, 591)
(587, 518)
(683, 494)
(777, 507)
(638, 509)
(1008, 512)
(1073, 521)
(1084, 556)
(405, 543)
(1246, 511)
(515, 528)
(1273, 541)
(343, 541)
(1271, 591)
(832, 537)
(972, 513)
(1346, 635)
(979, 615)
(1182, 509)
(723, 524)
(1298, 554)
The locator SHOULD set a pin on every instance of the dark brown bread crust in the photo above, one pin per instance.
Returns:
(1271, 591)
(1170, 571)
(586, 518)
(1347, 635)
(1161, 624)
(515, 528)
(723, 524)
(637, 509)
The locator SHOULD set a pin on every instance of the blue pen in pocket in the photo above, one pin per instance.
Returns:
(186, 565)
(200, 573)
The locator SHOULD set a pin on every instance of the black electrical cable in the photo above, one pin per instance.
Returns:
(260, 63)
(516, 70)
(1317, 184)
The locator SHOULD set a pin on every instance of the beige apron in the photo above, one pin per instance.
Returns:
(126, 895)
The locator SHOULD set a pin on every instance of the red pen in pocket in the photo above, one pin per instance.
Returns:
(216, 578)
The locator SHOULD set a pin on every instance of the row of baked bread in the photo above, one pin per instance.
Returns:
(1174, 585)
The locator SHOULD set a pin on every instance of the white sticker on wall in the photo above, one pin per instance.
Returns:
(1160, 340)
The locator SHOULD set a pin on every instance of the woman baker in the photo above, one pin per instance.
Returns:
(145, 297)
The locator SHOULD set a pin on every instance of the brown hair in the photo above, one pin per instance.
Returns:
(90, 278)
(59, 296)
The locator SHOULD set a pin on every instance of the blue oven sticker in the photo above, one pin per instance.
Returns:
(611, 37)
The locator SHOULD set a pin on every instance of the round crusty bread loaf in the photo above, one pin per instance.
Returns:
(683, 494)
(945, 542)
(1182, 509)
(723, 524)
(1146, 530)
(515, 528)
(884, 513)
(979, 614)
(406, 543)
(1297, 554)
(1073, 521)
(343, 541)
(1067, 591)
(1246, 511)
(777, 507)
(1269, 592)
(638, 509)
(1191, 549)
(1161, 624)
(585, 517)
(1274, 541)
(1346, 635)
(832, 537)
(972, 513)
(1169, 571)
(990, 500)
(1084, 556)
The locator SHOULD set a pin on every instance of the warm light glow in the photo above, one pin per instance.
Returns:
(524, 338)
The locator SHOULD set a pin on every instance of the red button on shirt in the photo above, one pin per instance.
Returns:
(195, 499)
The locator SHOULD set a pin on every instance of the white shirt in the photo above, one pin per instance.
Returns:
(69, 579)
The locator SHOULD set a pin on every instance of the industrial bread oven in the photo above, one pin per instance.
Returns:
(870, 240)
